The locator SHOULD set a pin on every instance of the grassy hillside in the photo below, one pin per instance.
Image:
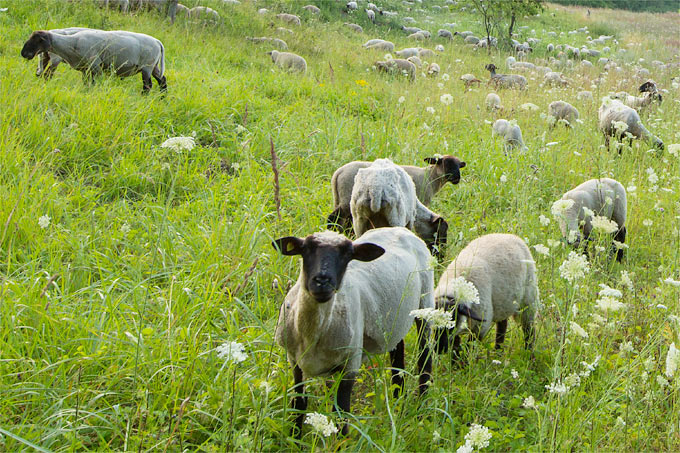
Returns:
(110, 313)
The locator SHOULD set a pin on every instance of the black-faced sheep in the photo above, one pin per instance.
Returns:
(506, 80)
(48, 62)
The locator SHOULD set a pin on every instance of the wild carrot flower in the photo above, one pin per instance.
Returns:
(446, 99)
(44, 221)
(607, 303)
(560, 207)
(529, 403)
(179, 143)
(478, 436)
(604, 225)
(321, 424)
(436, 317)
(463, 291)
(542, 249)
(608, 291)
(232, 351)
(545, 221)
(578, 330)
(575, 267)
(672, 361)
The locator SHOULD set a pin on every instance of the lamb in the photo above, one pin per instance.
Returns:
(205, 13)
(352, 299)
(650, 93)
(433, 70)
(563, 111)
(503, 273)
(94, 51)
(605, 198)
(288, 61)
(289, 18)
(371, 15)
(493, 102)
(351, 6)
(506, 80)
(312, 9)
(280, 43)
(510, 132)
(428, 181)
(399, 66)
(618, 120)
(354, 27)
(384, 195)
(48, 62)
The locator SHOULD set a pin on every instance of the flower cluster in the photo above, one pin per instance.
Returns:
(179, 143)
(672, 361)
(436, 317)
(575, 267)
(463, 291)
(478, 436)
(321, 424)
(560, 207)
(232, 351)
(604, 225)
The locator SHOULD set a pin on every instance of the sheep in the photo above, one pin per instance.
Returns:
(471, 40)
(312, 9)
(372, 6)
(371, 15)
(289, 19)
(48, 62)
(418, 36)
(182, 10)
(386, 46)
(555, 78)
(410, 30)
(439, 48)
(351, 6)
(170, 6)
(506, 80)
(563, 111)
(94, 51)
(122, 5)
(511, 133)
(444, 34)
(280, 43)
(618, 120)
(585, 96)
(408, 52)
(650, 93)
(398, 65)
(354, 27)
(372, 42)
(288, 61)
(493, 102)
(385, 196)
(550, 48)
(433, 70)
(463, 34)
(416, 61)
(354, 298)
(502, 270)
(205, 13)
(426, 53)
(603, 197)
(484, 43)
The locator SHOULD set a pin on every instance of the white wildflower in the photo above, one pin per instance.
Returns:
(125, 228)
(672, 361)
(620, 422)
(445, 77)
(674, 149)
(478, 436)
(578, 330)
(466, 448)
(599, 249)
(232, 351)
(545, 221)
(446, 99)
(661, 381)
(496, 362)
(529, 403)
(430, 110)
(608, 291)
(553, 243)
(436, 437)
(560, 207)
(587, 212)
(575, 267)
(619, 245)
(514, 374)
(401, 99)
(321, 424)
(542, 249)
(179, 143)
(44, 221)
(607, 303)
(672, 282)
(436, 317)
(603, 224)
(573, 380)
(503, 178)
(620, 126)
(626, 348)
(647, 222)
(557, 388)
(626, 280)
(463, 291)
(652, 177)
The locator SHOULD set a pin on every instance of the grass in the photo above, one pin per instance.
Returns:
(110, 315)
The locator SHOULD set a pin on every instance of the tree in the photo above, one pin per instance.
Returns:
(491, 12)
(495, 12)
(519, 9)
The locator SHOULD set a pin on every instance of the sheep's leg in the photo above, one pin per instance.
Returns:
(146, 81)
(299, 402)
(501, 328)
(527, 321)
(424, 357)
(620, 237)
(339, 221)
(343, 397)
(397, 361)
(162, 81)
(442, 337)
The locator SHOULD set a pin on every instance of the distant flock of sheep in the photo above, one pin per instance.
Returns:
(354, 297)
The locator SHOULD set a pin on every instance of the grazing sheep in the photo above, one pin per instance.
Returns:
(386, 46)
(351, 6)
(371, 15)
(604, 197)
(204, 13)
(354, 27)
(510, 132)
(418, 36)
(433, 70)
(493, 102)
(312, 9)
(398, 66)
(463, 34)
(550, 48)
(416, 61)
(563, 111)
(94, 51)
(585, 96)
(410, 30)
(426, 53)
(503, 272)
(182, 10)
(385, 196)
(280, 43)
(408, 52)
(618, 120)
(510, 61)
(428, 181)
(352, 299)
(167, 6)
(48, 62)
(289, 18)
(650, 93)
(289, 61)
(372, 6)
(469, 79)
(471, 40)
(122, 5)
(444, 34)
(555, 78)
(506, 80)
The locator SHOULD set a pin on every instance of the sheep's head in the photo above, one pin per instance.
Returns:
(459, 313)
(273, 54)
(39, 41)
(490, 67)
(648, 87)
(447, 167)
(325, 257)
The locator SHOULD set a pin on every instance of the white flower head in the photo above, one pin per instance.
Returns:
(609, 291)
(545, 221)
(388, 56)
(514, 374)
(44, 221)
(542, 249)
(445, 77)
(446, 99)
(647, 223)
(463, 291)
(561, 206)
(503, 179)
(575, 267)
(557, 388)
(607, 303)
(578, 330)
(321, 424)
(670, 281)
(465, 448)
(672, 361)
(587, 212)
(478, 436)
(436, 317)
(553, 243)
(674, 149)
(620, 126)
(626, 280)
(529, 403)
(401, 99)
(179, 143)
(430, 110)
(232, 351)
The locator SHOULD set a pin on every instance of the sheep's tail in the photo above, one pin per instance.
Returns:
(376, 197)
(162, 60)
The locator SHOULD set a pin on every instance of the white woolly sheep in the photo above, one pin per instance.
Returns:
(386, 46)
(169, 7)
(493, 102)
(650, 94)
(288, 61)
(371, 15)
(94, 51)
(312, 9)
(48, 62)
(280, 43)
(418, 36)
(511, 133)
(352, 299)
(433, 70)
(618, 120)
(444, 34)
(563, 111)
(385, 195)
(471, 40)
(555, 78)
(506, 80)
(463, 34)
(416, 61)
(289, 18)
(604, 197)
(354, 27)
(426, 53)
(204, 13)
(410, 30)
(351, 6)
(585, 96)
(397, 66)
(408, 52)
(502, 270)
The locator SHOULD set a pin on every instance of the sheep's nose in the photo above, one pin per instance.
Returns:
(321, 280)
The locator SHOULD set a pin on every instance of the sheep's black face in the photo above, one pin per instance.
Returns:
(38, 42)
(325, 261)
(448, 167)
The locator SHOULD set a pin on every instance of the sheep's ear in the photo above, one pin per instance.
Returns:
(367, 252)
(461, 164)
(433, 160)
(289, 245)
